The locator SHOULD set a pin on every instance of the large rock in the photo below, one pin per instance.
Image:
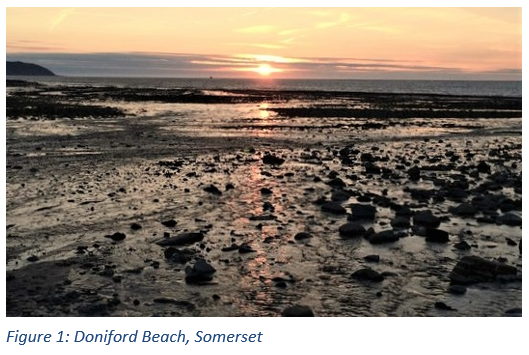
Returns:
(181, 239)
(474, 269)
(297, 311)
(426, 219)
(352, 230)
(510, 219)
(464, 210)
(200, 272)
(367, 275)
(437, 235)
(387, 236)
(333, 207)
(360, 211)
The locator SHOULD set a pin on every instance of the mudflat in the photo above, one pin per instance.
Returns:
(127, 201)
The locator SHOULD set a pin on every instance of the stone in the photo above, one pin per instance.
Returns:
(464, 210)
(372, 258)
(116, 236)
(483, 167)
(367, 275)
(474, 269)
(414, 173)
(426, 219)
(333, 207)
(351, 230)
(362, 212)
(200, 272)
(509, 219)
(135, 226)
(340, 196)
(297, 311)
(245, 248)
(272, 160)
(437, 235)
(180, 256)
(302, 236)
(462, 246)
(443, 306)
(170, 223)
(511, 242)
(181, 239)
(212, 189)
(387, 236)
(400, 222)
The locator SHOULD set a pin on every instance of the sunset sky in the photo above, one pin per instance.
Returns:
(363, 43)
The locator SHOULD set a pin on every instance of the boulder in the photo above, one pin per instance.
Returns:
(474, 269)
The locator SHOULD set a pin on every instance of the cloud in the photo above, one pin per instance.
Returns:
(202, 65)
(256, 29)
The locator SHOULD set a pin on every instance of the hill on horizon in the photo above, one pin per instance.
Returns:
(27, 69)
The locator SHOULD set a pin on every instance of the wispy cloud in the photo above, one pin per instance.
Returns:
(59, 18)
(343, 18)
(256, 29)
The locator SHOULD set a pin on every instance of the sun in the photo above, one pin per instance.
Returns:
(266, 69)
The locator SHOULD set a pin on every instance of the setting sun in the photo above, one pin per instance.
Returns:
(266, 70)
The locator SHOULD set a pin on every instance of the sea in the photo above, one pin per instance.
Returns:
(440, 87)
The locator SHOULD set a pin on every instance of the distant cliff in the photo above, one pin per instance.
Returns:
(26, 69)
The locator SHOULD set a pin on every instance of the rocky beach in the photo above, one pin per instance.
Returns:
(147, 201)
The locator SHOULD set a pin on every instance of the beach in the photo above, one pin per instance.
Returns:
(149, 201)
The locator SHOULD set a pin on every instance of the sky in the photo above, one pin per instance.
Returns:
(345, 43)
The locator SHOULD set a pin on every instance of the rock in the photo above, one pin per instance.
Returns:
(200, 272)
(511, 242)
(514, 312)
(443, 306)
(333, 207)
(135, 226)
(414, 173)
(336, 182)
(267, 206)
(457, 289)
(462, 246)
(387, 236)
(400, 222)
(351, 230)
(426, 219)
(372, 258)
(272, 160)
(509, 219)
(302, 236)
(266, 191)
(212, 189)
(33, 258)
(229, 186)
(181, 239)
(474, 269)
(178, 256)
(464, 210)
(170, 223)
(116, 236)
(367, 275)
(340, 196)
(361, 211)
(483, 167)
(403, 211)
(437, 235)
(231, 247)
(297, 311)
(245, 248)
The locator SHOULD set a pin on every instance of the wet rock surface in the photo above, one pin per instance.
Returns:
(232, 250)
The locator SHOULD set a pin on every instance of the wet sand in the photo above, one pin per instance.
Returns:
(180, 203)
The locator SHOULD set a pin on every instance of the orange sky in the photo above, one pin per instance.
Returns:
(281, 42)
